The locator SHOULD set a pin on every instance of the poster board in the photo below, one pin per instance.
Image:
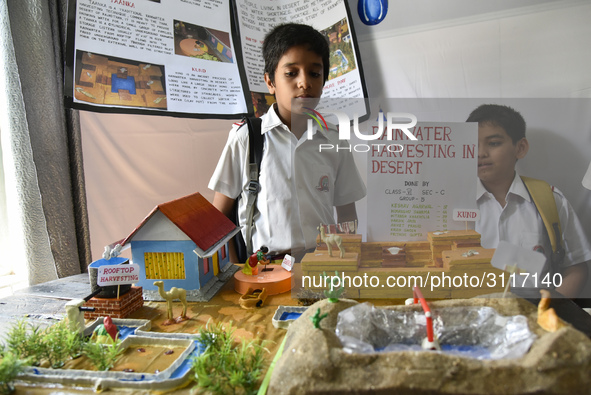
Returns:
(331, 18)
(192, 58)
(414, 186)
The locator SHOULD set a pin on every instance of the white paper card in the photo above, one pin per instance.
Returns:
(287, 263)
(118, 274)
(466, 214)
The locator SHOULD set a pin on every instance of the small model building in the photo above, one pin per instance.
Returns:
(450, 240)
(183, 243)
(444, 254)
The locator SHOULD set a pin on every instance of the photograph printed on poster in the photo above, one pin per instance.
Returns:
(102, 79)
(342, 58)
(203, 43)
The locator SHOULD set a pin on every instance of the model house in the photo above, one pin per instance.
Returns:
(184, 243)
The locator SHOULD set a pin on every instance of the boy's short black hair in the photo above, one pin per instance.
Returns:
(502, 116)
(285, 36)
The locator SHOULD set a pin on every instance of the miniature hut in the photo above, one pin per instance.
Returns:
(183, 243)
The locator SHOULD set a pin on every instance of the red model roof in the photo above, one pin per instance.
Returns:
(196, 217)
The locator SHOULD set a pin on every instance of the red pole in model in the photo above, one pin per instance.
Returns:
(430, 342)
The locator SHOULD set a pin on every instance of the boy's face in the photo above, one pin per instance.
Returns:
(497, 154)
(299, 75)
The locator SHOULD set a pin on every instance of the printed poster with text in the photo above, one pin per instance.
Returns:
(413, 186)
(331, 18)
(173, 56)
(194, 58)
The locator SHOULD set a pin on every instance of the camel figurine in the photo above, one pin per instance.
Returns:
(169, 296)
(330, 239)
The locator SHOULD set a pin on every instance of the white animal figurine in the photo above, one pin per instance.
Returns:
(330, 239)
(169, 296)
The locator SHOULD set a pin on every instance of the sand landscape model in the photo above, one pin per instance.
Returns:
(314, 361)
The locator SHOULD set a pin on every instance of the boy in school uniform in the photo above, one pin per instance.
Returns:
(507, 211)
(300, 186)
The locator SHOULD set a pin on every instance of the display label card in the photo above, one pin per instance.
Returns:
(466, 214)
(118, 274)
(287, 263)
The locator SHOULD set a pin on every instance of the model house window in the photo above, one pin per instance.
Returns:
(164, 265)
(205, 265)
(223, 251)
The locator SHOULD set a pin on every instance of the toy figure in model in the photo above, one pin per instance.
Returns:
(547, 317)
(317, 318)
(169, 296)
(251, 266)
(105, 333)
(330, 240)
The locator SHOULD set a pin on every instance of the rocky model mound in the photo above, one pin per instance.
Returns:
(314, 361)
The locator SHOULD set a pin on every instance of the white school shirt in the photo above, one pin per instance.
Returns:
(519, 223)
(285, 220)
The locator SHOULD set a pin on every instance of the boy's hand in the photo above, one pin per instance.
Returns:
(346, 213)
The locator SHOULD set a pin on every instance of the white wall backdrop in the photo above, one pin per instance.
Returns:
(426, 49)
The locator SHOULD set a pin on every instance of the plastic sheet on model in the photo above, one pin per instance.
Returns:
(475, 332)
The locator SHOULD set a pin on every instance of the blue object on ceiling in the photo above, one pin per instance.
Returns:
(372, 12)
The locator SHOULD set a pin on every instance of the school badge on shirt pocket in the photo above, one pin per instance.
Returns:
(323, 184)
